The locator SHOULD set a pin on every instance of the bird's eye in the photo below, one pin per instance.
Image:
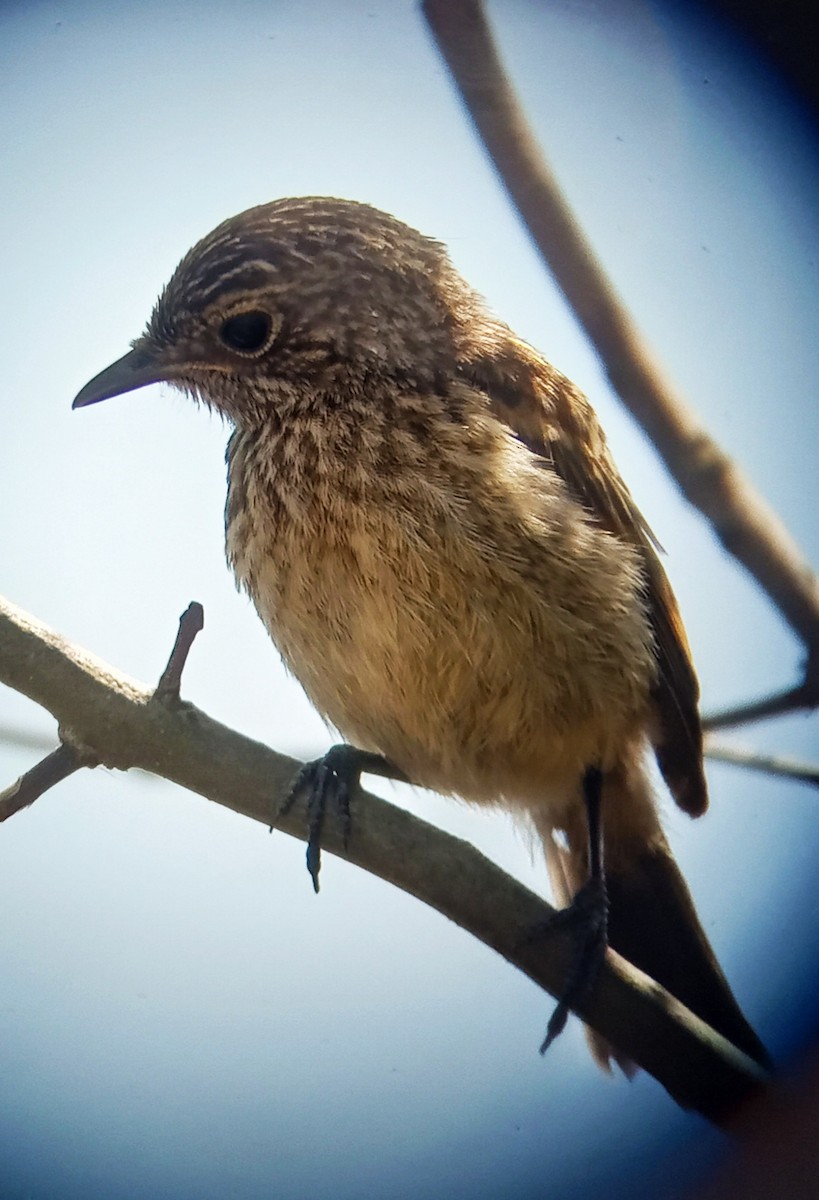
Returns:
(247, 332)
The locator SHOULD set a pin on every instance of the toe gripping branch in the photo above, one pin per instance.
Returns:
(586, 917)
(329, 782)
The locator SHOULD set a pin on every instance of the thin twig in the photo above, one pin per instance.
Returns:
(779, 704)
(24, 739)
(117, 720)
(55, 767)
(770, 764)
(746, 525)
(191, 623)
(70, 757)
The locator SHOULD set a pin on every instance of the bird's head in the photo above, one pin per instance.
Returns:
(306, 294)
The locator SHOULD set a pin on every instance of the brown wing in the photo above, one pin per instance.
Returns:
(554, 419)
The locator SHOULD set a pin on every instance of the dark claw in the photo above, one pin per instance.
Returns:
(329, 781)
(587, 918)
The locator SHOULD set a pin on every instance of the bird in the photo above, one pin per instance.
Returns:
(429, 521)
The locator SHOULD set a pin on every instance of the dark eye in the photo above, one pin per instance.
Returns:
(247, 332)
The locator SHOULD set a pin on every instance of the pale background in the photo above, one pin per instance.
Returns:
(182, 1017)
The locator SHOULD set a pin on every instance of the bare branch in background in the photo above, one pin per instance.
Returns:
(803, 696)
(769, 764)
(24, 739)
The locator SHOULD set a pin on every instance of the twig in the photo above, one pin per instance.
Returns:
(779, 704)
(116, 719)
(68, 757)
(744, 522)
(55, 767)
(770, 764)
(191, 623)
(24, 739)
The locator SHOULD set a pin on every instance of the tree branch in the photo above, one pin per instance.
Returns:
(777, 705)
(743, 521)
(770, 764)
(191, 623)
(24, 739)
(53, 769)
(123, 724)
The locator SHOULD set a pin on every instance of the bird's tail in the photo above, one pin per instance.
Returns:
(652, 920)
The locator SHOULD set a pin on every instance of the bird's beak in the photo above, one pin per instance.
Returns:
(134, 370)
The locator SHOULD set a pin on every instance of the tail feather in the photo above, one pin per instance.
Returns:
(654, 925)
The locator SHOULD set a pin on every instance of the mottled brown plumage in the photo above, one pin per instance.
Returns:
(429, 522)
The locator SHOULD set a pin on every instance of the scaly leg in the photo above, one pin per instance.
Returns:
(586, 916)
(330, 780)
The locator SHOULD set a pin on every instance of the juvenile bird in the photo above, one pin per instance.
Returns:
(430, 524)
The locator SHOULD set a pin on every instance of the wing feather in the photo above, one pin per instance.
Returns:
(555, 420)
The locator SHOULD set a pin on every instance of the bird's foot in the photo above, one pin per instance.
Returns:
(587, 920)
(329, 782)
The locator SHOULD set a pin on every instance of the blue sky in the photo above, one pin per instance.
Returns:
(183, 1017)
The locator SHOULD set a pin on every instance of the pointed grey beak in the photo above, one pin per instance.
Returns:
(134, 370)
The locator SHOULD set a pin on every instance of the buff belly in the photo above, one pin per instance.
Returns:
(460, 674)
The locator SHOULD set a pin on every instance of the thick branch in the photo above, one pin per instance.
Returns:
(121, 723)
(743, 521)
